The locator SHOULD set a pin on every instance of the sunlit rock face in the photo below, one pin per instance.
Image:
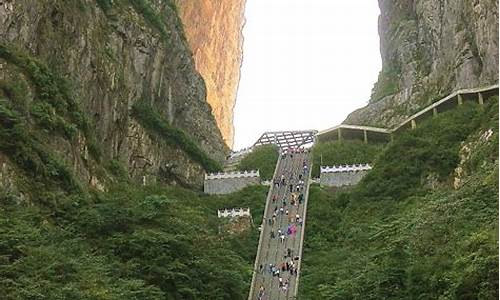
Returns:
(213, 30)
(429, 49)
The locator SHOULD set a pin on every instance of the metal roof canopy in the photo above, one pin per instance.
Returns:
(287, 139)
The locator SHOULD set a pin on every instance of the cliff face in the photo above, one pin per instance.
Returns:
(429, 49)
(113, 55)
(213, 30)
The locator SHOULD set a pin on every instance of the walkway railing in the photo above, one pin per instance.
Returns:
(433, 109)
(345, 168)
(235, 174)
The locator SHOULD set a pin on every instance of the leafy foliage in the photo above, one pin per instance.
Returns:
(24, 149)
(262, 158)
(144, 8)
(55, 108)
(157, 19)
(105, 5)
(159, 127)
(404, 232)
(343, 152)
(130, 243)
(387, 83)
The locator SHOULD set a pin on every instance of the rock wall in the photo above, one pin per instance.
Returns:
(429, 49)
(115, 53)
(214, 32)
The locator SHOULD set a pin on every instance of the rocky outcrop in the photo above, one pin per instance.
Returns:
(213, 30)
(430, 49)
(115, 53)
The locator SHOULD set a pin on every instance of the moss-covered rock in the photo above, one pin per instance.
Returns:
(101, 57)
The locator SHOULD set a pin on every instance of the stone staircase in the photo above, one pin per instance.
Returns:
(234, 160)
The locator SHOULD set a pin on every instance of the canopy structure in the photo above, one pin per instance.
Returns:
(287, 139)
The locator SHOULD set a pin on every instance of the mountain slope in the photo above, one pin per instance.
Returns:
(430, 49)
(103, 57)
(420, 227)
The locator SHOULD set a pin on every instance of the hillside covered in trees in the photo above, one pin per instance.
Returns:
(422, 224)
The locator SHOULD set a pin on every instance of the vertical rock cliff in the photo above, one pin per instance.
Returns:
(214, 32)
(126, 76)
(429, 49)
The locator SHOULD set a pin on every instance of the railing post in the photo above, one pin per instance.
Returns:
(480, 98)
(460, 99)
(413, 124)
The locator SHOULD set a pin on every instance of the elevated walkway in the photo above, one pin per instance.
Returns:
(354, 132)
(451, 101)
(377, 134)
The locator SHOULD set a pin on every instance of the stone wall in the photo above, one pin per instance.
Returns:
(343, 175)
(226, 183)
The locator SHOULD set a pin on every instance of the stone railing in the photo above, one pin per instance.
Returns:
(236, 174)
(345, 168)
(458, 97)
(233, 213)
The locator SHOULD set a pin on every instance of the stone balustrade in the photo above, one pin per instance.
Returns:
(233, 212)
(345, 168)
(230, 182)
(343, 174)
(235, 174)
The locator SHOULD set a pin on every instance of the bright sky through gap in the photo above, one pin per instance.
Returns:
(306, 64)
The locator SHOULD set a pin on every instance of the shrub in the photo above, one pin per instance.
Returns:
(55, 107)
(156, 126)
(343, 152)
(393, 236)
(28, 154)
(262, 158)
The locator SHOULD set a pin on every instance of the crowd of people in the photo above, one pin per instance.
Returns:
(285, 220)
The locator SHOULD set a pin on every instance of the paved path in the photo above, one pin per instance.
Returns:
(272, 250)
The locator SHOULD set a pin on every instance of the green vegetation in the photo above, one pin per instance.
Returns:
(105, 5)
(387, 83)
(262, 158)
(343, 152)
(130, 243)
(159, 127)
(15, 89)
(144, 8)
(59, 240)
(54, 109)
(24, 149)
(157, 19)
(404, 232)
